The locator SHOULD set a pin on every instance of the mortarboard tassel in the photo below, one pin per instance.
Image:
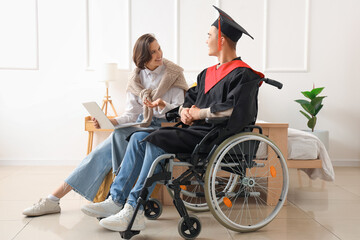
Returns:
(219, 36)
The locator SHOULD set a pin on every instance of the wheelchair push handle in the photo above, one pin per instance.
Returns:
(274, 83)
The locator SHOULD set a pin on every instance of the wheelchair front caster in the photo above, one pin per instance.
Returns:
(192, 231)
(153, 209)
(128, 234)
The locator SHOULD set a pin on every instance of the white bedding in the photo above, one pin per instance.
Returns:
(304, 145)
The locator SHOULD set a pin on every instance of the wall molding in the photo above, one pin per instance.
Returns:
(177, 31)
(87, 37)
(39, 162)
(36, 44)
(305, 67)
(346, 162)
(129, 33)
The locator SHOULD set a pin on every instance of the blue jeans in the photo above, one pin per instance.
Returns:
(136, 165)
(88, 176)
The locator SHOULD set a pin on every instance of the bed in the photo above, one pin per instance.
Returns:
(303, 150)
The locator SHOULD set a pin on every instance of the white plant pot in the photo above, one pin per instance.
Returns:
(323, 135)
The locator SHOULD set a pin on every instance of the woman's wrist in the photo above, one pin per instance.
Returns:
(162, 104)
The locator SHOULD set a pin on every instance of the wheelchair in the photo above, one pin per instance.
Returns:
(242, 179)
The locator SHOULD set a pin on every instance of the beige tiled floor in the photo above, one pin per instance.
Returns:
(315, 211)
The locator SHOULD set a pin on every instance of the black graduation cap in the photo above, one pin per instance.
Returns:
(229, 27)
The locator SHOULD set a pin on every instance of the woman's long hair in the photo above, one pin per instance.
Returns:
(141, 51)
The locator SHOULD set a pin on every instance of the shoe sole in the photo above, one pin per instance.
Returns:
(93, 213)
(121, 229)
(41, 214)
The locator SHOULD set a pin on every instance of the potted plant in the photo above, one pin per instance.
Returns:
(312, 108)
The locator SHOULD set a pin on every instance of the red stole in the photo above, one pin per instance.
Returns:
(213, 75)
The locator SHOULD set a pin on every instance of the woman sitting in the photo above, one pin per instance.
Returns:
(155, 87)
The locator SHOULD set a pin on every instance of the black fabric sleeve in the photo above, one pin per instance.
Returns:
(246, 107)
(234, 89)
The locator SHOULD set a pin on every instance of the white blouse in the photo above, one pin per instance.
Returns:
(150, 80)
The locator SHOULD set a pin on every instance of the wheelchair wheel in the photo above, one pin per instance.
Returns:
(184, 230)
(260, 187)
(153, 209)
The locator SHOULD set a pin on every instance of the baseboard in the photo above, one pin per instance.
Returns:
(39, 162)
(346, 162)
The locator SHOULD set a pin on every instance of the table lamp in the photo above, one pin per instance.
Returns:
(110, 73)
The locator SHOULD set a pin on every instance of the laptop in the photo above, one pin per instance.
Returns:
(96, 112)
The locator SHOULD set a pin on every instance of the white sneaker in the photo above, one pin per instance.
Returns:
(120, 221)
(42, 207)
(101, 209)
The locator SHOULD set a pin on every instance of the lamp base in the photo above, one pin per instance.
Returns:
(106, 102)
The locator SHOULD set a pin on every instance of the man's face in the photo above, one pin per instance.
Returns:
(212, 41)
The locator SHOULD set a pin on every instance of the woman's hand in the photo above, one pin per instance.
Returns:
(113, 121)
(186, 116)
(96, 123)
(157, 103)
(194, 111)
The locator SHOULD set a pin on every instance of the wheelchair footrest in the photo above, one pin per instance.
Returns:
(128, 234)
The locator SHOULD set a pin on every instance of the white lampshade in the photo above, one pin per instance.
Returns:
(109, 72)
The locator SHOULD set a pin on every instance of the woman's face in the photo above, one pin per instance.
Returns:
(156, 56)
(212, 41)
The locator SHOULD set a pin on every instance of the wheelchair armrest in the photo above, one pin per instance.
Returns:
(217, 120)
(172, 115)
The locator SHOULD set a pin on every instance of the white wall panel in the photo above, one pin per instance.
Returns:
(157, 17)
(108, 37)
(196, 18)
(19, 34)
(250, 15)
(115, 31)
(287, 35)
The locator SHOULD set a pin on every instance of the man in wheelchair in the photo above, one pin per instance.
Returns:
(228, 89)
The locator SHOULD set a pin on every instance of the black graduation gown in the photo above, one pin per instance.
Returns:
(237, 90)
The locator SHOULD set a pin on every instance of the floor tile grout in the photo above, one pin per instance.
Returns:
(21, 230)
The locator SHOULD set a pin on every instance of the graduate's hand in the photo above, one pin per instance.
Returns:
(194, 112)
(96, 123)
(157, 103)
(186, 117)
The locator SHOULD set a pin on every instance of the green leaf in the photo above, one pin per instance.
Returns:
(318, 109)
(311, 123)
(307, 116)
(317, 100)
(302, 101)
(306, 105)
(316, 103)
(316, 91)
(308, 94)
(307, 108)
